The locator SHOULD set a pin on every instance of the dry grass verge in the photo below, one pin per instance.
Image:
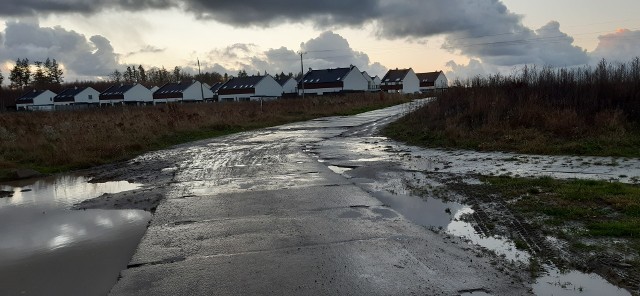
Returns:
(58, 141)
(579, 111)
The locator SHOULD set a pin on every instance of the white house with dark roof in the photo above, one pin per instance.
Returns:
(373, 82)
(376, 82)
(289, 85)
(186, 91)
(400, 81)
(431, 81)
(126, 94)
(214, 89)
(77, 96)
(250, 88)
(36, 100)
(337, 80)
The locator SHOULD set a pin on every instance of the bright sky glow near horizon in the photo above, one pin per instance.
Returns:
(461, 37)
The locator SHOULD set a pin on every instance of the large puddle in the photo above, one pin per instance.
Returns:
(48, 249)
(361, 159)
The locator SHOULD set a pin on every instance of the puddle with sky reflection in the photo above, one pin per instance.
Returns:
(48, 249)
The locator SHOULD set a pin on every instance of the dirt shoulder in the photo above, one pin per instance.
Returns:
(591, 226)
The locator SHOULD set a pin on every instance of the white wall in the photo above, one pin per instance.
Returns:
(442, 81)
(44, 99)
(138, 93)
(321, 91)
(171, 100)
(195, 93)
(268, 87)
(290, 87)
(234, 97)
(411, 83)
(376, 82)
(355, 80)
(87, 96)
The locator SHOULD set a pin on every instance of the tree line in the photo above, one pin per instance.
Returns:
(48, 74)
(159, 76)
(45, 74)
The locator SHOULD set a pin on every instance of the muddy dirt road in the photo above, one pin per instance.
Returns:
(258, 213)
(326, 207)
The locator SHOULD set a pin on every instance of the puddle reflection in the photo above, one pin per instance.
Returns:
(48, 249)
(574, 283)
(59, 191)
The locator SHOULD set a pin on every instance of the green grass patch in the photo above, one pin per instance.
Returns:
(604, 209)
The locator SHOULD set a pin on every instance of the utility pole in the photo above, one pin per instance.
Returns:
(302, 72)
(200, 74)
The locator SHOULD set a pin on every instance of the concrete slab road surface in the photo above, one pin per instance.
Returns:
(256, 214)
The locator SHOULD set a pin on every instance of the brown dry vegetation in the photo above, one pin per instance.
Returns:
(55, 141)
(581, 111)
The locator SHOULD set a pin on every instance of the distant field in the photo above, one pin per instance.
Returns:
(58, 141)
(578, 111)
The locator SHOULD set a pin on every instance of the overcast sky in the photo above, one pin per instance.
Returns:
(462, 37)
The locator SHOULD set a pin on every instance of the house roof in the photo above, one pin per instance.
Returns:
(429, 76)
(173, 88)
(242, 82)
(28, 97)
(118, 89)
(326, 75)
(69, 94)
(395, 75)
(216, 86)
(284, 79)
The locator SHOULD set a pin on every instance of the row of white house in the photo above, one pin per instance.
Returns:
(314, 82)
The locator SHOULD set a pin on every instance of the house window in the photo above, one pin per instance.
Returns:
(90, 97)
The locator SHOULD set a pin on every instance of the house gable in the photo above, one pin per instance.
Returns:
(355, 81)
(268, 87)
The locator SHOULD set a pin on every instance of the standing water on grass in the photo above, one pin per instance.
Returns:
(48, 249)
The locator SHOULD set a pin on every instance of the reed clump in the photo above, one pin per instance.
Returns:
(540, 110)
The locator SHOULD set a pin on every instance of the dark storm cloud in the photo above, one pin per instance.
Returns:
(260, 12)
(36, 7)
(486, 31)
(79, 56)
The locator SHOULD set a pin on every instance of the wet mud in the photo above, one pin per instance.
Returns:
(249, 210)
(330, 207)
(438, 189)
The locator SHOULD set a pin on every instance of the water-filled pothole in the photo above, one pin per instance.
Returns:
(48, 249)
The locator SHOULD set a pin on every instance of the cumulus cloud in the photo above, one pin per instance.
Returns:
(621, 46)
(521, 45)
(328, 50)
(473, 68)
(484, 30)
(81, 57)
